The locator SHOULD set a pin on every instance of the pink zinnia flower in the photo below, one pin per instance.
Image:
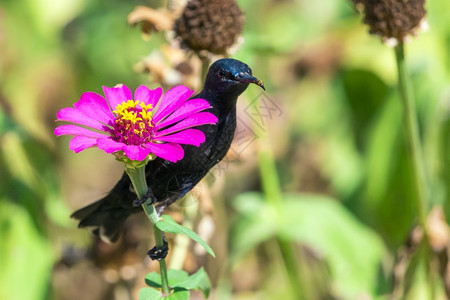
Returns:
(138, 126)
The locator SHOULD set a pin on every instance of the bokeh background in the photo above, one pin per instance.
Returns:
(315, 198)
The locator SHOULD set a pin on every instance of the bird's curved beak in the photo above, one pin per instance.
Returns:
(245, 77)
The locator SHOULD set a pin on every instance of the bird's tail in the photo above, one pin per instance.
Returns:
(105, 220)
(106, 216)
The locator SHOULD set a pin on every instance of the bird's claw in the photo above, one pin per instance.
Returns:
(149, 195)
(159, 253)
(138, 202)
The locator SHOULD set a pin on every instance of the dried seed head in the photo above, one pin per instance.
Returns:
(212, 25)
(392, 19)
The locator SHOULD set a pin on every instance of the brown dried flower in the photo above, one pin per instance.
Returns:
(212, 25)
(393, 19)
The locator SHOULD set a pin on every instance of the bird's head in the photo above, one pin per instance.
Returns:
(228, 78)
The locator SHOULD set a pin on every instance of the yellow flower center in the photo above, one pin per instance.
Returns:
(133, 124)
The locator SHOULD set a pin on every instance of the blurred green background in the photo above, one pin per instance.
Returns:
(333, 120)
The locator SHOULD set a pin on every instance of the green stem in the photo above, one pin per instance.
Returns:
(290, 261)
(137, 177)
(269, 175)
(412, 130)
(273, 195)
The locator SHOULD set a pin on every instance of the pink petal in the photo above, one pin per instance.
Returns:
(109, 145)
(73, 115)
(171, 101)
(76, 130)
(132, 152)
(95, 107)
(118, 94)
(168, 151)
(79, 143)
(197, 119)
(188, 137)
(147, 95)
(136, 152)
(188, 108)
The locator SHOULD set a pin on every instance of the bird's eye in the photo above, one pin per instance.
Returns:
(221, 73)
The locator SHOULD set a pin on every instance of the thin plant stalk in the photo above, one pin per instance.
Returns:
(137, 176)
(273, 195)
(272, 191)
(413, 138)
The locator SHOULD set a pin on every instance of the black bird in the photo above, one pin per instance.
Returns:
(225, 81)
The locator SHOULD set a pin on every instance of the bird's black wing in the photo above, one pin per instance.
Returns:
(171, 181)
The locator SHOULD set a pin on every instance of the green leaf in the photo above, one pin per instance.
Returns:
(149, 294)
(198, 280)
(254, 224)
(176, 276)
(153, 279)
(366, 93)
(168, 224)
(180, 283)
(24, 254)
(352, 250)
(179, 279)
(178, 294)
